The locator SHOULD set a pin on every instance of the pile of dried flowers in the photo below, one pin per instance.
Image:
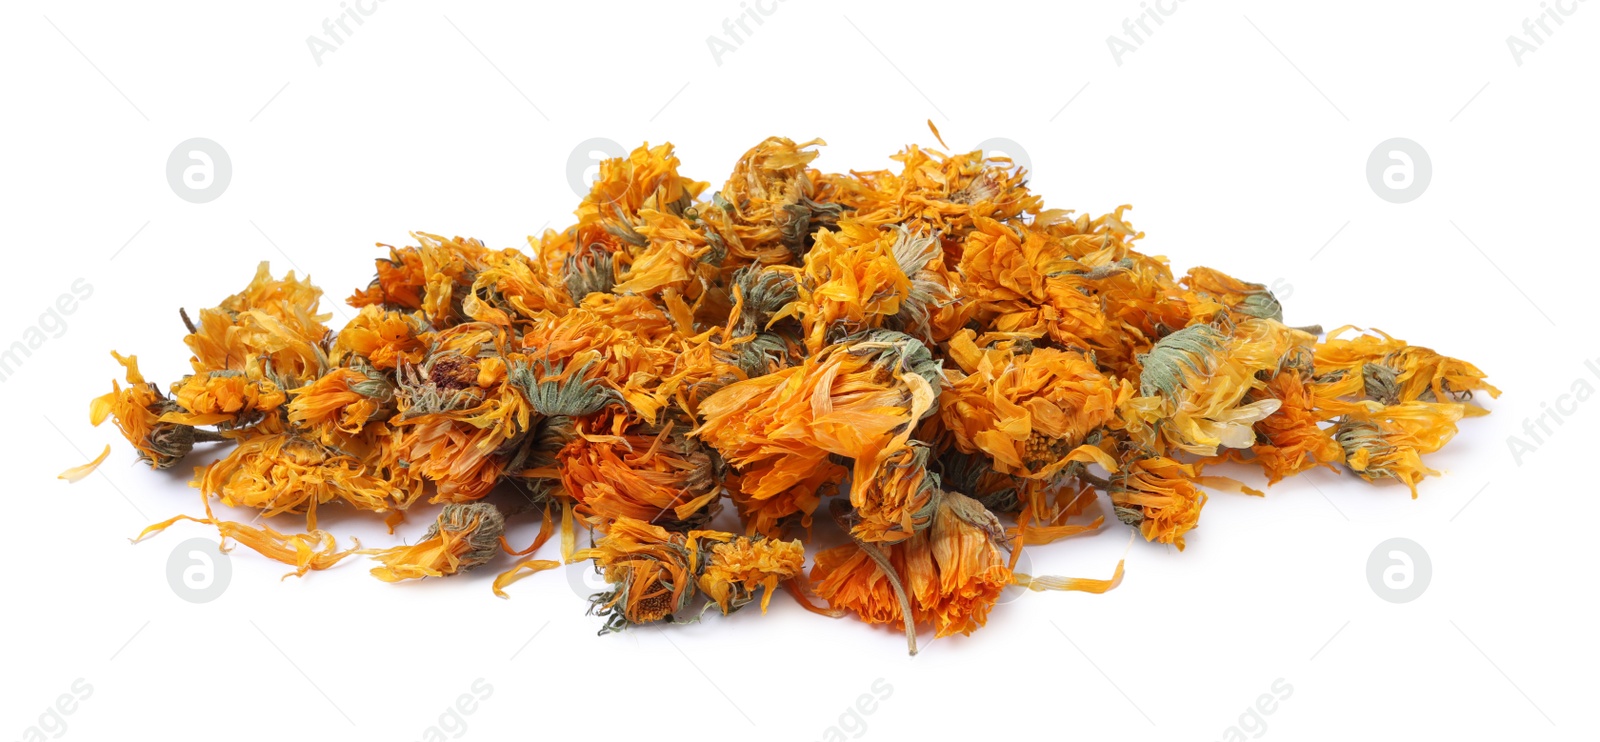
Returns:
(955, 371)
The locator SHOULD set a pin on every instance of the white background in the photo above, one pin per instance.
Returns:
(1240, 133)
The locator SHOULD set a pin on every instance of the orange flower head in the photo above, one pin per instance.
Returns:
(290, 301)
(435, 277)
(1390, 371)
(1292, 439)
(646, 179)
(400, 282)
(859, 277)
(1212, 292)
(277, 473)
(772, 203)
(341, 402)
(1032, 410)
(1389, 443)
(138, 412)
(268, 330)
(1194, 382)
(386, 339)
(849, 579)
(853, 400)
(651, 571)
(228, 399)
(953, 572)
(964, 543)
(736, 568)
(655, 475)
(1160, 497)
(898, 498)
(463, 537)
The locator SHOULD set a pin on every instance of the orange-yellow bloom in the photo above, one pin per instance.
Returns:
(342, 401)
(1160, 497)
(1389, 443)
(229, 399)
(138, 412)
(662, 477)
(1032, 412)
(652, 573)
(738, 566)
(463, 537)
(855, 400)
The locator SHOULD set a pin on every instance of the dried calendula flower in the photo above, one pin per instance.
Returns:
(852, 400)
(848, 577)
(342, 401)
(1389, 371)
(268, 330)
(1032, 410)
(1194, 384)
(140, 413)
(964, 544)
(1212, 291)
(618, 470)
(1295, 437)
(228, 399)
(652, 573)
(463, 537)
(279, 472)
(949, 575)
(773, 203)
(953, 371)
(1389, 443)
(386, 340)
(898, 496)
(737, 566)
(860, 277)
(1160, 497)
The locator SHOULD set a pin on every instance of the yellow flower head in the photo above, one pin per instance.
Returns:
(1193, 385)
(1160, 497)
(138, 412)
(658, 476)
(952, 573)
(651, 571)
(277, 472)
(772, 203)
(463, 537)
(229, 399)
(1032, 410)
(342, 401)
(268, 330)
(1389, 443)
(386, 339)
(859, 277)
(738, 566)
(853, 400)
(1212, 292)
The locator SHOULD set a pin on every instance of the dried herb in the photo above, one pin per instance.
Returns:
(959, 372)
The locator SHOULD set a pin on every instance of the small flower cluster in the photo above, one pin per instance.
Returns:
(957, 371)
